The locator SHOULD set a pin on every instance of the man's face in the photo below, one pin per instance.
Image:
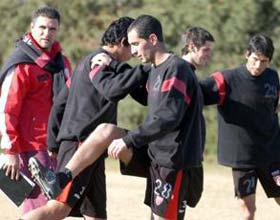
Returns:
(44, 31)
(202, 55)
(140, 47)
(256, 63)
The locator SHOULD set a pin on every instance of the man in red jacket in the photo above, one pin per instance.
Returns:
(30, 79)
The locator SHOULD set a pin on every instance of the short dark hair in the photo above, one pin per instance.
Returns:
(116, 31)
(261, 43)
(145, 25)
(46, 11)
(196, 35)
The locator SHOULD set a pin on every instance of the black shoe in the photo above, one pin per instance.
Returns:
(45, 178)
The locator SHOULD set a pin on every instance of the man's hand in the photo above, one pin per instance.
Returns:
(100, 59)
(117, 148)
(11, 166)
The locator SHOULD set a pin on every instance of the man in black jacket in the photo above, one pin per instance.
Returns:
(248, 125)
(197, 51)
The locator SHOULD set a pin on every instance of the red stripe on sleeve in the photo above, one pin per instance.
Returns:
(94, 71)
(178, 85)
(220, 81)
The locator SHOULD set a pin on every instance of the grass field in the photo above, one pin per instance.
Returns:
(125, 198)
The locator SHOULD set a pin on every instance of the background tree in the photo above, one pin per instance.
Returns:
(83, 23)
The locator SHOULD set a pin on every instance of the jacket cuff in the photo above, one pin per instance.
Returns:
(129, 143)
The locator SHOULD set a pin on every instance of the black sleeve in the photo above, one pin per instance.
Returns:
(116, 81)
(140, 93)
(55, 119)
(213, 89)
(276, 104)
(172, 103)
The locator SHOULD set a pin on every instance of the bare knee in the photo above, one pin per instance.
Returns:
(110, 131)
(106, 128)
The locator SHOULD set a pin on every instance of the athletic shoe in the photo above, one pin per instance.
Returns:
(45, 178)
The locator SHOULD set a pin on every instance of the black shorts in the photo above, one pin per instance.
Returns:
(166, 192)
(195, 185)
(86, 194)
(245, 181)
(187, 185)
(139, 164)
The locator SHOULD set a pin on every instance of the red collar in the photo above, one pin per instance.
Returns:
(54, 50)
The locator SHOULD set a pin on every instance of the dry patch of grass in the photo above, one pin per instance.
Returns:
(126, 194)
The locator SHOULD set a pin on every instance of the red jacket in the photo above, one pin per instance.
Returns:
(25, 104)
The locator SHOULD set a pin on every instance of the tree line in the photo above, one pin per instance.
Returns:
(83, 22)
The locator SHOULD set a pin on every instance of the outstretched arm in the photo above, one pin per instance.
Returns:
(213, 89)
(123, 80)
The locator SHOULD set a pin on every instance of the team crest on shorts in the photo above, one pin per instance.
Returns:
(158, 200)
(276, 176)
(277, 180)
